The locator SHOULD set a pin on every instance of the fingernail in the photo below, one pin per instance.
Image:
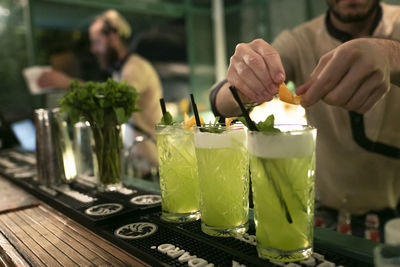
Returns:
(300, 90)
(280, 77)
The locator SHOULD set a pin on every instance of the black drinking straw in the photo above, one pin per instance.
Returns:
(253, 127)
(196, 112)
(250, 122)
(162, 104)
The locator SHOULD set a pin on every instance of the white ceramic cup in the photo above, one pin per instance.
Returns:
(392, 232)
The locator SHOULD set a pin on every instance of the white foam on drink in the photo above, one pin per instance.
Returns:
(282, 145)
(231, 138)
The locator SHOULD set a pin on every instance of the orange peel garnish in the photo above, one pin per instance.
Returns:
(286, 96)
(228, 121)
(188, 123)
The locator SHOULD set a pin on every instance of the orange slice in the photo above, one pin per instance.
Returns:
(228, 121)
(190, 122)
(286, 96)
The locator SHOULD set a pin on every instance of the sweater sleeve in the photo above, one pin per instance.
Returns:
(286, 45)
(213, 96)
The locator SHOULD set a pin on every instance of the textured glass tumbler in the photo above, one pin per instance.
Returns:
(282, 166)
(223, 166)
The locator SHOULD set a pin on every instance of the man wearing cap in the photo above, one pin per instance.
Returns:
(109, 34)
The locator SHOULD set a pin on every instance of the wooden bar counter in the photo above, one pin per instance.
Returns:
(34, 234)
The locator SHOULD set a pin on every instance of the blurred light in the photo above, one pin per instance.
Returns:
(69, 164)
(207, 116)
(139, 138)
(25, 132)
(172, 108)
(68, 155)
(283, 113)
(4, 11)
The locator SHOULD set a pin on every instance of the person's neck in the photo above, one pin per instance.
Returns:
(356, 29)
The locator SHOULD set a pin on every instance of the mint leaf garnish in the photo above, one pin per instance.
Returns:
(166, 119)
(263, 126)
(214, 127)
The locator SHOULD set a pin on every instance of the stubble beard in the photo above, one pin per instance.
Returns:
(108, 59)
(355, 17)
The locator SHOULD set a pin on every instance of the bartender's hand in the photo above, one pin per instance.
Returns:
(355, 76)
(55, 79)
(256, 70)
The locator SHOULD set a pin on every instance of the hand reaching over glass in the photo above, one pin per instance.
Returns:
(355, 75)
(256, 71)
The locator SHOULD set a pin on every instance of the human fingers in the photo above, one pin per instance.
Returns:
(372, 100)
(245, 99)
(302, 89)
(272, 60)
(235, 80)
(352, 83)
(246, 88)
(326, 78)
(367, 87)
(241, 76)
(256, 63)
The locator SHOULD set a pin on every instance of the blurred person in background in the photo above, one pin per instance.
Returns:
(346, 63)
(109, 34)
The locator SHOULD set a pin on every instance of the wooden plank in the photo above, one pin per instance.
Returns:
(45, 237)
(4, 262)
(97, 247)
(55, 246)
(56, 240)
(52, 250)
(68, 236)
(87, 235)
(106, 247)
(9, 255)
(30, 244)
(20, 246)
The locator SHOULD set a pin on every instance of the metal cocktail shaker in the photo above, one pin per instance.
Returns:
(54, 154)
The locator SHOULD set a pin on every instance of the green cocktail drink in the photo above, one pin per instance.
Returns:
(178, 173)
(282, 169)
(223, 165)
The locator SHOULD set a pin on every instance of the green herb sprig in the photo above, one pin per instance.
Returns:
(213, 127)
(167, 119)
(264, 126)
(105, 105)
(100, 103)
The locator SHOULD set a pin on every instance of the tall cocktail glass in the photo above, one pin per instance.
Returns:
(223, 165)
(282, 167)
(178, 173)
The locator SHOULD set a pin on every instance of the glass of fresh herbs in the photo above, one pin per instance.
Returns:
(105, 105)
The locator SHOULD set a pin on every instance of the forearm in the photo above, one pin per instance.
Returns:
(223, 102)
